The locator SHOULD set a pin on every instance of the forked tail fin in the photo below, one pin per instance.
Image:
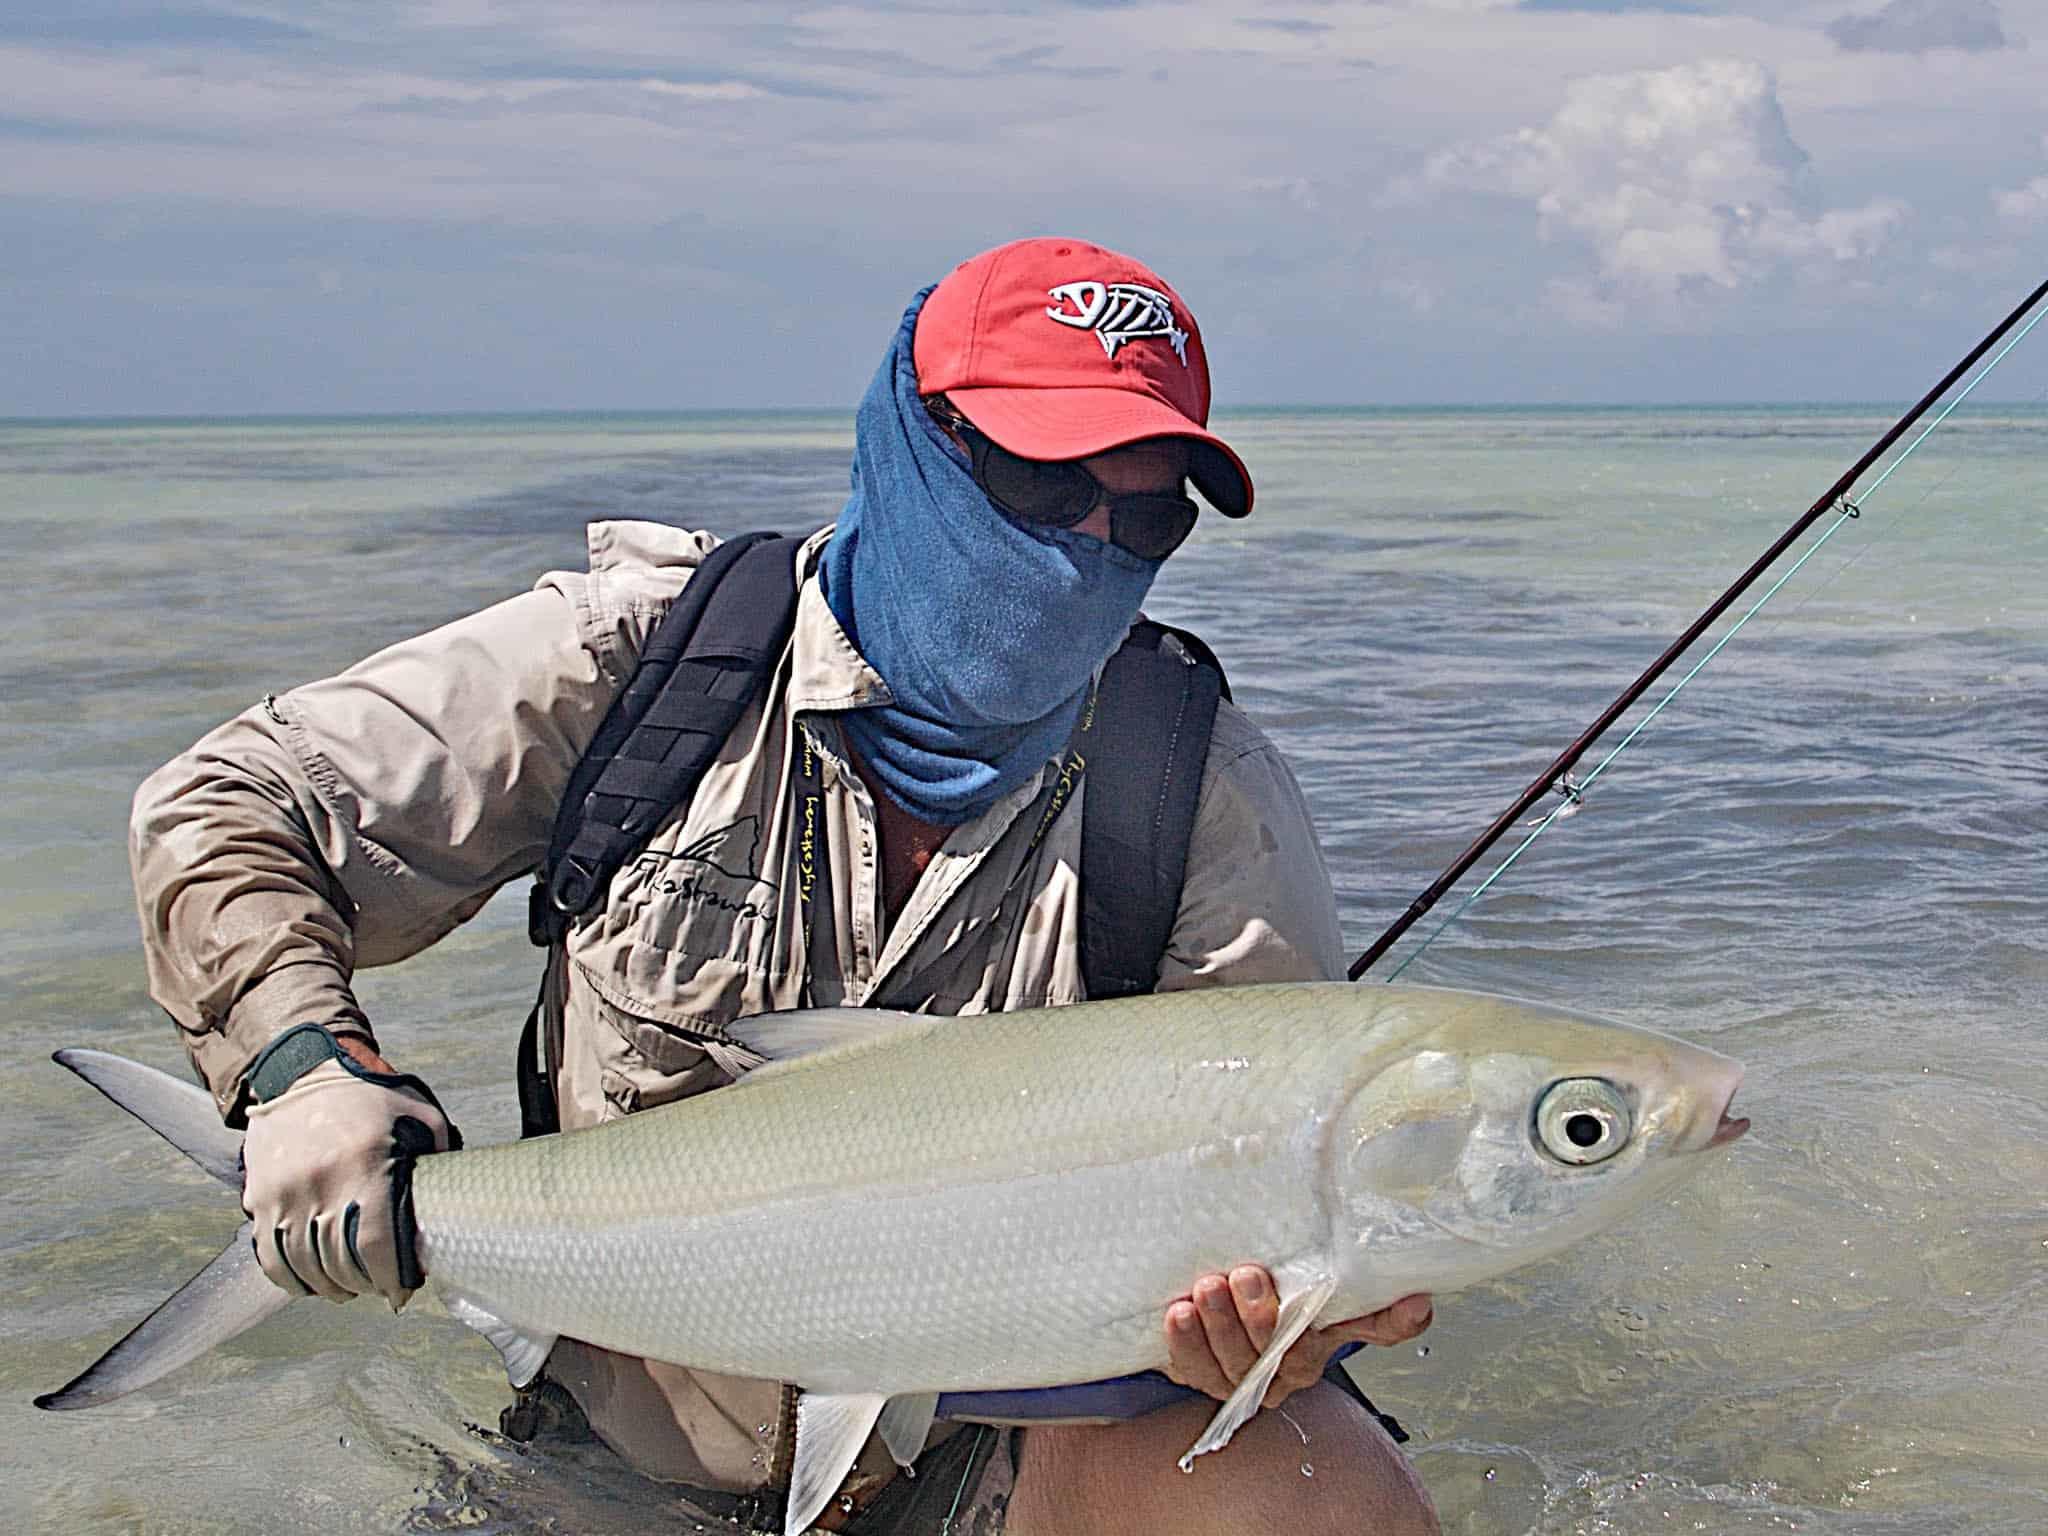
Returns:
(228, 1296)
(180, 1112)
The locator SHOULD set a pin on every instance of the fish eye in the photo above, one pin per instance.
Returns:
(1582, 1120)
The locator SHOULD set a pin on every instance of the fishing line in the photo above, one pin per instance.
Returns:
(1573, 790)
(1928, 495)
(1880, 534)
(1557, 778)
(946, 1525)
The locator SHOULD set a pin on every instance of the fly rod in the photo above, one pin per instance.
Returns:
(1835, 498)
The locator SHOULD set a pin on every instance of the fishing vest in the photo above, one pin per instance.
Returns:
(710, 658)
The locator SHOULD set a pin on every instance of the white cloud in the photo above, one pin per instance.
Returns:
(151, 126)
(1916, 26)
(2024, 204)
(1681, 181)
(1298, 192)
(703, 90)
(236, 99)
(575, 163)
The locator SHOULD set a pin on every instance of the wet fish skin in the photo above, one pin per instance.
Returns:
(1011, 1200)
(898, 1206)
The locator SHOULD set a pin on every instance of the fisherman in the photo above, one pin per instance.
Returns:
(895, 821)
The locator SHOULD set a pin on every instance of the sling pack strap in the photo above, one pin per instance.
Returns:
(708, 660)
(704, 665)
(1156, 707)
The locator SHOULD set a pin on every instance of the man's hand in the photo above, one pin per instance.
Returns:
(1216, 1332)
(325, 1164)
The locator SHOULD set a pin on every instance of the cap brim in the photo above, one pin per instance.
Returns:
(1075, 423)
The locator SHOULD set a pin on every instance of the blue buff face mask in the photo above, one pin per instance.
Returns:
(987, 632)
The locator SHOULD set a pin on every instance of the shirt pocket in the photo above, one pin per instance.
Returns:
(630, 1053)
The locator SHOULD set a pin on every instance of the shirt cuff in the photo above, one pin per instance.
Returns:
(291, 995)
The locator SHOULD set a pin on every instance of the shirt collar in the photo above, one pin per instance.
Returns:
(827, 671)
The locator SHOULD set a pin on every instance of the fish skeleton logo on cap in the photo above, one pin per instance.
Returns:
(1117, 313)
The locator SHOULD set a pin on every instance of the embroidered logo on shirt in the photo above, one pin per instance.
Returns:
(1117, 313)
(718, 871)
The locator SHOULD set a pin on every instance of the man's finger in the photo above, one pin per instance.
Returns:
(1409, 1316)
(1389, 1326)
(1258, 1305)
(1231, 1345)
(1189, 1359)
(269, 1257)
(298, 1245)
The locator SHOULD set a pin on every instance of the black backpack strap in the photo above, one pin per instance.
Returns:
(708, 660)
(1154, 710)
(705, 663)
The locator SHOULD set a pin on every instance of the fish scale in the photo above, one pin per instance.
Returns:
(1003, 1174)
(902, 1208)
(997, 1201)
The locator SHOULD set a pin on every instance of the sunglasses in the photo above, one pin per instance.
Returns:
(1151, 525)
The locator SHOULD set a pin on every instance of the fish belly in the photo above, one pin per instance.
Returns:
(923, 1217)
(1031, 1281)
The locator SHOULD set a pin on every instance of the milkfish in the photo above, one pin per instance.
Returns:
(895, 1207)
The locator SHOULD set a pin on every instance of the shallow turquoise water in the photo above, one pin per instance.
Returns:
(1825, 859)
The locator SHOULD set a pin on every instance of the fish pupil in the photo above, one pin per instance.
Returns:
(1584, 1130)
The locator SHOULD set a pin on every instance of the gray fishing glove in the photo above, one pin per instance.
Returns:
(327, 1168)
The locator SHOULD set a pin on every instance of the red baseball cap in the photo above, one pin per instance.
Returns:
(1058, 349)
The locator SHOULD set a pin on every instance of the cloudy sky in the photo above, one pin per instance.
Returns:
(402, 205)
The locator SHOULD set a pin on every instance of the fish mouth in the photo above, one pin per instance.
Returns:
(1731, 1127)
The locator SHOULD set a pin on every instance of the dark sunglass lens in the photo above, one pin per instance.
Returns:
(1059, 494)
(1151, 527)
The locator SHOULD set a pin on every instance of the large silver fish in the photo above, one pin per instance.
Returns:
(898, 1206)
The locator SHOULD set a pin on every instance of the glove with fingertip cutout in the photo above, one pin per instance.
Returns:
(327, 1168)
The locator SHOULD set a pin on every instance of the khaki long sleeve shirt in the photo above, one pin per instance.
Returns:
(356, 820)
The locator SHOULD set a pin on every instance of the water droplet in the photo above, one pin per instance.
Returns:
(343, 1441)
(1307, 1470)
(846, 1503)
(761, 1429)
(1489, 1474)
(1422, 1350)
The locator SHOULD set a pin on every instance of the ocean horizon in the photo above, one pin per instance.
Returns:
(2037, 403)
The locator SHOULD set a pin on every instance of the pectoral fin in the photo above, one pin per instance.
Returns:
(786, 1037)
(523, 1352)
(830, 1430)
(906, 1422)
(1296, 1313)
